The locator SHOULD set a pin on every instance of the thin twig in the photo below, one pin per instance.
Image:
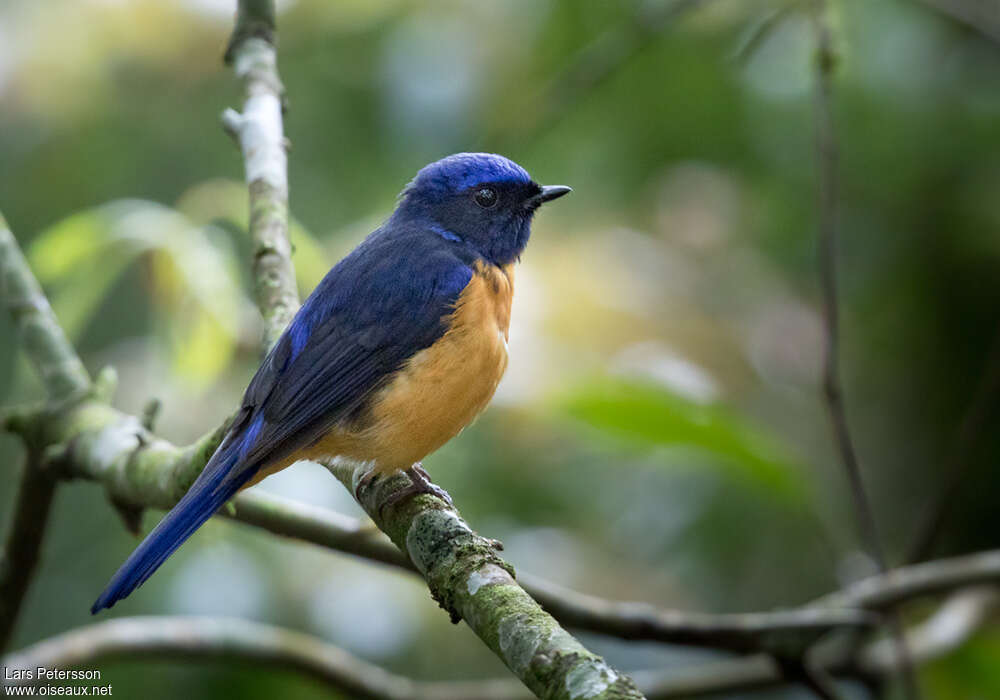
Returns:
(781, 631)
(905, 583)
(827, 163)
(827, 158)
(958, 462)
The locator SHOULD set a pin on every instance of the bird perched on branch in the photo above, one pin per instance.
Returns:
(399, 347)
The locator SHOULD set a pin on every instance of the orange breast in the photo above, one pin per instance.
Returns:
(440, 390)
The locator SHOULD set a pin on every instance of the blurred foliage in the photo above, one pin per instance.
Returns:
(659, 435)
(645, 415)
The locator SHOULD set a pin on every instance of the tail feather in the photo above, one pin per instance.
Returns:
(208, 493)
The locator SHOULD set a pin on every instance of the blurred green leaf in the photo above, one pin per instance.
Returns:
(65, 257)
(646, 416)
(195, 277)
(68, 244)
(227, 200)
(972, 672)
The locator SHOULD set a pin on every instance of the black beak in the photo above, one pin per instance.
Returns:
(548, 193)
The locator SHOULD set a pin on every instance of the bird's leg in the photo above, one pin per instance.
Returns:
(419, 483)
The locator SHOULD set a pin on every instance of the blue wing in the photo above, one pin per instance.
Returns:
(390, 298)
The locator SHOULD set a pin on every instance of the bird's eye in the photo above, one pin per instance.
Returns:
(486, 197)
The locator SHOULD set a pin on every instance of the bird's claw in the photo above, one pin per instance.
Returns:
(364, 482)
(419, 483)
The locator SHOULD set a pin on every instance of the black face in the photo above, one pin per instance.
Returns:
(494, 216)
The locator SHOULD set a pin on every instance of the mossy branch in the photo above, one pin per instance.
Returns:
(43, 339)
(259, 131)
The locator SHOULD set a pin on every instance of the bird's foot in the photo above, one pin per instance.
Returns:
(364, 482)
(419, 483)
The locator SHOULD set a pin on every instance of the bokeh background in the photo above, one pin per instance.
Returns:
(660, 434)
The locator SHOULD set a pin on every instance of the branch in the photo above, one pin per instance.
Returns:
(942, 633)
(64, 378)
(947, 629)
(138, 468)
(24, 540)
(226, 640)
(44, 341)
(889, 590)
(785, 632)
(471, 582)
(827, 162)
(260, 134)
(780, 631)
(829, 193)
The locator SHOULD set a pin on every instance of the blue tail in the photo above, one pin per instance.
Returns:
(208, 493)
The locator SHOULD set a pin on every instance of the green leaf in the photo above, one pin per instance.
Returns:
(645, 416)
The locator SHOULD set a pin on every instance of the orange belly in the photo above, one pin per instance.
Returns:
(439, 390)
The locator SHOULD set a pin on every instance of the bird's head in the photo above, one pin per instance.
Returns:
(480, 199)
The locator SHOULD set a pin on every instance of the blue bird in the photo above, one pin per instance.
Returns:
(399, 347)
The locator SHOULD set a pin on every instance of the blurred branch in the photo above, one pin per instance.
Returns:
(260, 134)
(202, 638)
(138, 468)
(981, 16)
(827, 163)
(141, 469)
(957, 464)
(947, 629)
(319, 526)
(24, 540)
(64, 378)
(227, 640)
(905, 583)
(788, 631)
(827, 158)
(113, 448)
(780, 631)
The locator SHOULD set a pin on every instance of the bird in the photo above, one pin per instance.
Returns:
(397, 349)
